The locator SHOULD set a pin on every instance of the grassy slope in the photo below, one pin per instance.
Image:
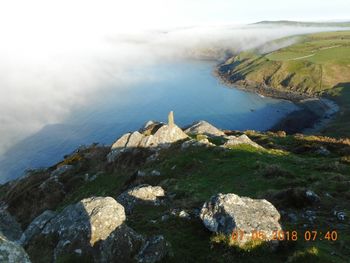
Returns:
(197, 173)
(316, 65)
(200, 173)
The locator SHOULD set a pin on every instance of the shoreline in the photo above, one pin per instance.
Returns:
(314, 115)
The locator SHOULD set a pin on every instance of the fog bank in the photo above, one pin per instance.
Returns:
(45, 77)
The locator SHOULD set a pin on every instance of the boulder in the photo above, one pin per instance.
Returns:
(141, 194)
(9, 227)
(92, 228)
(154, 250)
(168, 134)
(36, 226)
(203, 127)
(226, 213)
(243, 139)
(196, 143)
(10, 252)
(121, 142)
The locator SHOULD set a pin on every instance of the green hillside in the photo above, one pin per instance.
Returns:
(305, 24)
(318, 64)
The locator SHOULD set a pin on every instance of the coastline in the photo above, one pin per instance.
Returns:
(314, 114)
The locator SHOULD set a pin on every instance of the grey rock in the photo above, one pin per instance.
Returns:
(113, 155)
(121, 246)
(36, 226)
(163, 137)
(312, 196)
(154, 250)
(164, 217)
(292, 217)
(225, 213)
(121, 142)
(134, 140)
(61, 170)
(94, 227)
(141, 173)
(153, 157)
(155, 173)
(203, 127)
(171, 121)
(82, 225)
(183, 214)
(341, 216)
(243, 139)
(167, 135)
(195, 143)
(128, 141)
(310, 215)
(9, 227)
(10, 252)
(323, 151)
(140, 194)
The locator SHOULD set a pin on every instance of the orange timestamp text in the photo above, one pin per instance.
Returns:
(283, 235)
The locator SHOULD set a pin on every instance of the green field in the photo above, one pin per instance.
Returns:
(316, 65)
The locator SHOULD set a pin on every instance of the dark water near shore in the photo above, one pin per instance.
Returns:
(187, 88)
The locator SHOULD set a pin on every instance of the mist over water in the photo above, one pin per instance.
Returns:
(55, 96)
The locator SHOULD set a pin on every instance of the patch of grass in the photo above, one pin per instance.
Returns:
(103, 185)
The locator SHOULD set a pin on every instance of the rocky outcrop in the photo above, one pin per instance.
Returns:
(61, 170)
(94, 227)
(36, 226)
(9, 227)
(10, 252)
(158, 136)
(197, 143)
(226, 213)
(203, 127)
(154, 250)
(141, 194)
(243, 139)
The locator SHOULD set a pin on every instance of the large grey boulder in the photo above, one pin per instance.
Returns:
(90, 220)
(243, 139)
(203, 127)
(94, 227)
(226, 213)
(141, 194)
(10, 252)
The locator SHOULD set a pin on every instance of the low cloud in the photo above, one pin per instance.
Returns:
(43, 83)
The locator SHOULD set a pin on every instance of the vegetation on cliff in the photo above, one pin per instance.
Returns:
(316, 65)
(280, 171)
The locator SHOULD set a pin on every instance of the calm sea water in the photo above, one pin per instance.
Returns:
(188, 88)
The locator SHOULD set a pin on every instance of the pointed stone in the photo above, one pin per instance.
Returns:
(171, 119)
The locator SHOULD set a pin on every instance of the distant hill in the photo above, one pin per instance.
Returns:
(316, 65)
(304, 24)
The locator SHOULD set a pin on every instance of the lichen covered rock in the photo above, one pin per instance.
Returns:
(141, 194)
(226, 213)
(10, 252)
